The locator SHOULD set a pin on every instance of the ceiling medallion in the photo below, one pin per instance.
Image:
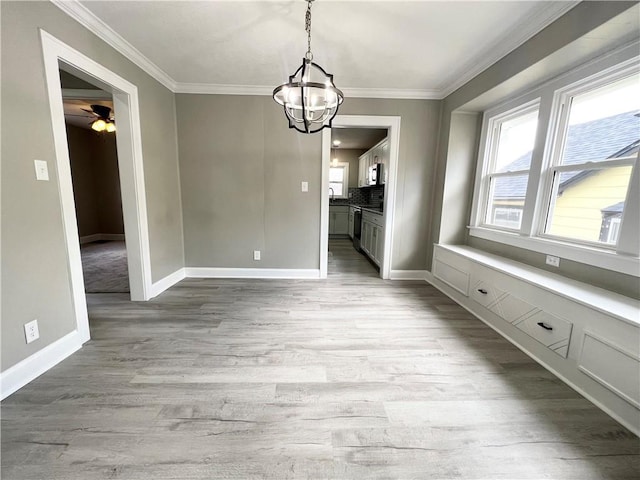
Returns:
(310, 98)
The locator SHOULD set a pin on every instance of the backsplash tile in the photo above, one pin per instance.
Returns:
(363, 196)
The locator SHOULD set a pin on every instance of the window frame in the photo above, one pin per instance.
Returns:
(494, 121)
(623, 257)
(345, 179)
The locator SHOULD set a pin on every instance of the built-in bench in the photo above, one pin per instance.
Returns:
(587, 336)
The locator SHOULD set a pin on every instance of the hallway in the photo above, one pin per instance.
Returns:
(345, 261)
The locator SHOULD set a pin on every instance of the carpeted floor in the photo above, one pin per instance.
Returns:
(104, 265)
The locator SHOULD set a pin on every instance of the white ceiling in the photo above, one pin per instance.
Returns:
(416, 49)
(357, 138)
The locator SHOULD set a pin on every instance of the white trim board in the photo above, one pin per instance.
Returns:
(27, 370)
(408, 275)
(512, 39)
(282, 273)
(130, 164)
(167, 282)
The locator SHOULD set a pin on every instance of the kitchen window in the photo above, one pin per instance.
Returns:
(558, 168)
(339, 180)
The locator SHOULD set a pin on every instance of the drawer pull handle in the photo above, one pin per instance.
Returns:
(545, 326)
(482, 291)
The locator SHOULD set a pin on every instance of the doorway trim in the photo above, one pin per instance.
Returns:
(130, 167)
(392, 124)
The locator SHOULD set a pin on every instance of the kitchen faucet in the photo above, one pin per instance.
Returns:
(332, 194)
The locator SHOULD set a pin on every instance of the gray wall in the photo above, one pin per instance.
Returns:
(456, 163)
(241, 168)
(35, 279)
(96, 182)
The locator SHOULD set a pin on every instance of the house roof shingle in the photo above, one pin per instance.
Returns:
(599, 139)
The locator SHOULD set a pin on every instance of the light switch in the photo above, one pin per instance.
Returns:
(305, 186)
(42, 172)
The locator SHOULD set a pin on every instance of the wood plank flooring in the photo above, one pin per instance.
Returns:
(348, 378)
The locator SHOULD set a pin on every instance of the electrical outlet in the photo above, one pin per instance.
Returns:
(553, 261)
(256, 254)
(305, 186)
(31, 331)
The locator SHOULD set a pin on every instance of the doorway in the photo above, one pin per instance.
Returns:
(91, 137)
(359, 160)
(59, 56)
(356, 200)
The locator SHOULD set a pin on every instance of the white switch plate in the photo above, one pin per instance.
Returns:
(31, 331)
(42, 171)
(305, 186)
(256, 254)
(553, 261)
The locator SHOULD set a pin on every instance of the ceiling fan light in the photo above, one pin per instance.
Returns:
(99, 125)
(110, 127)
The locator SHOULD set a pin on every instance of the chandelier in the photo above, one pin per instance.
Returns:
(310, 98)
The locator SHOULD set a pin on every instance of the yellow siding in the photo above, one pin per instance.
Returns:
(577, 212)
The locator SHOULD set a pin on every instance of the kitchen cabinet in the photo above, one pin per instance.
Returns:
(372, 239)
(339, 220)
(379, 153)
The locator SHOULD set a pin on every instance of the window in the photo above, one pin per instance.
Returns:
(509, 158)
(595, 150)
(339, 180)
(558, 168)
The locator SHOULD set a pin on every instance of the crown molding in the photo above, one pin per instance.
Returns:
(86, 18)
(516, 36)
(216, 89)
(393, 93)
(512, 39)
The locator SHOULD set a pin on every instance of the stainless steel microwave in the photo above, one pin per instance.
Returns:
(376, 174)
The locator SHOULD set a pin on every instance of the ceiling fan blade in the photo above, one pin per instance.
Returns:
(91, 112)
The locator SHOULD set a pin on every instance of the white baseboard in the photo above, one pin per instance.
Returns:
(97, 237)
(407, 274)
(169, 281)
(282, 273)
(32, 367)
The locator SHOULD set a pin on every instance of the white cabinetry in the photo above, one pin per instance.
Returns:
(339, 220)
(376, 154)
(587, 336)
(372, 238)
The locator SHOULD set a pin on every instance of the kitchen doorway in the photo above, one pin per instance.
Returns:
(356, 200)
(359, 166)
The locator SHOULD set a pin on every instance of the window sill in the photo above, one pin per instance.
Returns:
(595, 257)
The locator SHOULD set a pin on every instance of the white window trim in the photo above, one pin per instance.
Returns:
(603, 256)
(345, 179)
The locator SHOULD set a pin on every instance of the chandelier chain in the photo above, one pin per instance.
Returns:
(307, 27)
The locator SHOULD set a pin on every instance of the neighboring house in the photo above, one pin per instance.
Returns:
(576, 208)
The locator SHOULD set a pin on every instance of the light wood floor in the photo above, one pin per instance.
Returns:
(352, 377)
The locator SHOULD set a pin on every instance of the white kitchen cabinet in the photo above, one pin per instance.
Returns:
(379, 153)
(339, 220)
(372, 235)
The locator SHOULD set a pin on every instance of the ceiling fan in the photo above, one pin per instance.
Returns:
(104, 120)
